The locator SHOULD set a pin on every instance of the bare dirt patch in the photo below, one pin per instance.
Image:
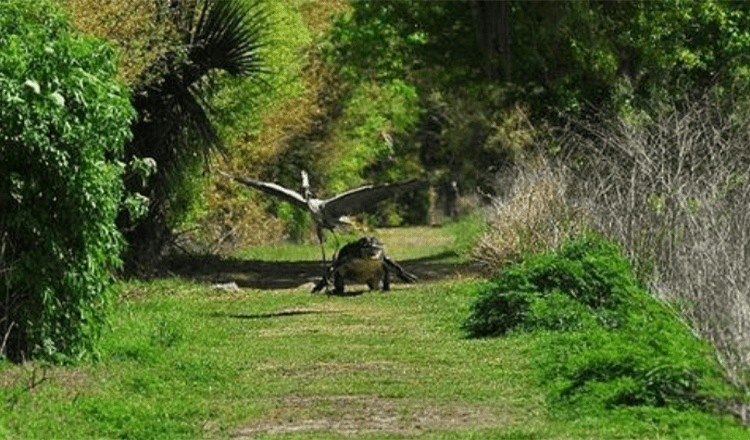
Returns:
(328, 369)
(354, 415)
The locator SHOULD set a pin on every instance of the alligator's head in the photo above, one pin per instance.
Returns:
(371, 248)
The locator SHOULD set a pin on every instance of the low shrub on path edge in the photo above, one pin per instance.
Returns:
(606, 346)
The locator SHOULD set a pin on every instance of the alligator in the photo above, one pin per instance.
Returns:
(362, 261)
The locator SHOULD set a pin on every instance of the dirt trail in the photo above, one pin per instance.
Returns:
(357, 415)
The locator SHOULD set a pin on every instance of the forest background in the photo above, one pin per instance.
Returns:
(634, 114)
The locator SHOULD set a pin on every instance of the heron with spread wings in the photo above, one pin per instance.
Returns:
(328, 213)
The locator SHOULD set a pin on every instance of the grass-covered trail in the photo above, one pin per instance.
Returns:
(185, 360)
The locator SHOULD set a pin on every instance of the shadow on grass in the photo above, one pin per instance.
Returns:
(262, 274)
(271, 315)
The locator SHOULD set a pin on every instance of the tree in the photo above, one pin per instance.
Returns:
(63, 123)
(174, 120)
(492, 20)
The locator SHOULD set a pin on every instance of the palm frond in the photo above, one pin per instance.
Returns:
(229, 37)
(174, 125)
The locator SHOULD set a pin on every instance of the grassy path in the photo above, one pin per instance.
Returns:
(186, 360)
(382, 365)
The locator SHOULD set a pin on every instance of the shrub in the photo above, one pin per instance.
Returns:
(64, 122)
(651, 361)
(608, 343)
(557, 290)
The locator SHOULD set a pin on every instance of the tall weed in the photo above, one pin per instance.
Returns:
(533, 217)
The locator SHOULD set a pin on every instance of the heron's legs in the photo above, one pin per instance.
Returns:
(321, 240)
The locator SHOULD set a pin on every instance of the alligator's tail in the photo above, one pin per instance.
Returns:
(404, 275)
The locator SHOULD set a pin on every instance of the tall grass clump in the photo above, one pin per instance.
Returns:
(533, 216)
(605, 345)
(675, 191)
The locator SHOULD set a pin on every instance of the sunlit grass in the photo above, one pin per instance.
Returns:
(186, 360)
(450, 243)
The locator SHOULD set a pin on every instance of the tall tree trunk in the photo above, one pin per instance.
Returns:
(492, 20)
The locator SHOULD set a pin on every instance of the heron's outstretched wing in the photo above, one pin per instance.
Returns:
(270, 188)
(365, 198)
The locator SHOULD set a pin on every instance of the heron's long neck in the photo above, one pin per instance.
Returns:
(306, 186)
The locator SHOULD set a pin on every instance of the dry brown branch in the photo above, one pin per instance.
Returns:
(535, 216)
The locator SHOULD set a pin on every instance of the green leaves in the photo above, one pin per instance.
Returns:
(62, 130)
(229, 36)
(587, 281)
(175, 125)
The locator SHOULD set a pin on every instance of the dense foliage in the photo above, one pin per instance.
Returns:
(556, 56)
(608, 342)
(552, 291)
(477, 66)
(63, 122)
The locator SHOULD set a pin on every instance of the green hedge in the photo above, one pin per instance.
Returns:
(63, 123)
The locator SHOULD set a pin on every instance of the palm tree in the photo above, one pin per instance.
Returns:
(174, 125)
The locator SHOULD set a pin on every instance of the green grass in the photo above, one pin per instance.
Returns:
(451, 243)
(186, 361)
(604, 348)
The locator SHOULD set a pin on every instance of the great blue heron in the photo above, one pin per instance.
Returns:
(327, 213)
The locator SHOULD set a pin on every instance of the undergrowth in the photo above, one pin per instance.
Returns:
(534, 216)
(608, 348)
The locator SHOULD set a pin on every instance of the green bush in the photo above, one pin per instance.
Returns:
(606, 342)
(586, 279)
(675, 190)
(63, 122)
